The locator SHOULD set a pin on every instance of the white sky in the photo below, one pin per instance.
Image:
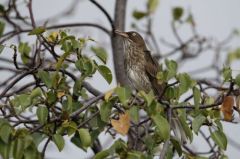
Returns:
(214, 18)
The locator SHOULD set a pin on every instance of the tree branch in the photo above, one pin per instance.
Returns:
(117, 46)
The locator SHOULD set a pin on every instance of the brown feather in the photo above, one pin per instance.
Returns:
(152, 68)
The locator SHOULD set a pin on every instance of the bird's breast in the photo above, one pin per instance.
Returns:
(134, 62)
(138, 79)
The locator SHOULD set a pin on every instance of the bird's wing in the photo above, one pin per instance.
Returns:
(152, 68)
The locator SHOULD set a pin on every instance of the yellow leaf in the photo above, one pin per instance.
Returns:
(122, 125)
(60, 94)
(227, 108)
(53, 37)
(108, 94)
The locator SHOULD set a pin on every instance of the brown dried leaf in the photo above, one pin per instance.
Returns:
(122, 125)
(227, 108)
(238, 102)
(237, 99)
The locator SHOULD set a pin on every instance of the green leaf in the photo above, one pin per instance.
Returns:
(42, 114)
(80, 64)
(105, 72)
(45, 78)
(72, 127)
(171, 65)
(147, 97)
(152, 5)
(102, 155)
(219, 124)
(190, 19)
(135, 155)
(224, 157)
(237, 80)
(139, 14)
(220, 139)
(77, 87)
(153, 108)
(84, 94)
(24, 100)
(76, 44)
(196, 97)
(51, 97)
(169, 154)
(67, 46)
(119, 147)
(18, 148)
(134, 113)
(38, 138)
(1, 48)
(172, 68)
(169, 93)
(233, 55)
(177, 146)
(162, 76)
(36, 92)
(59, 141)
(61, 59)
(185, 82)
(85, 66)
(5, 132)
(37, 31)
(105, 111)
(209, 100)
(197, 123)
(5, 150)
(185, 127)
(28, 140)
(69, 103)
(123, 94)
(227, 73)
(2, 26)
(89, 67)
(150, 143)
(85, 137)
(162, 126)
(24, 50)
(31, 153)
(100, 53)
(177, 13)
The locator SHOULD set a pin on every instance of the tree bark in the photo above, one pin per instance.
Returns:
(117, 45)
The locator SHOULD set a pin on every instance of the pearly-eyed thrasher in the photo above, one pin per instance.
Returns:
(142, 69)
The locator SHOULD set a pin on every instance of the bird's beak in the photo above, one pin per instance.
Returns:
(121, 33)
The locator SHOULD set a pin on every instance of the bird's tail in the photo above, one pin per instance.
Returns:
(178, 129)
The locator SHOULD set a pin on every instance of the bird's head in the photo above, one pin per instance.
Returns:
(133, 37)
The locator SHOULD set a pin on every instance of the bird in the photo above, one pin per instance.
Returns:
(142, 68)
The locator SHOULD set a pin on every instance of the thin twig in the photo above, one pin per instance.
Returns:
(104, 12)
(15, 81)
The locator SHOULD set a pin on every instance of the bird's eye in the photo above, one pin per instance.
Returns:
(133, 34)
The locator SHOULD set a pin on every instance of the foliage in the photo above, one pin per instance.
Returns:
(58, 102)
